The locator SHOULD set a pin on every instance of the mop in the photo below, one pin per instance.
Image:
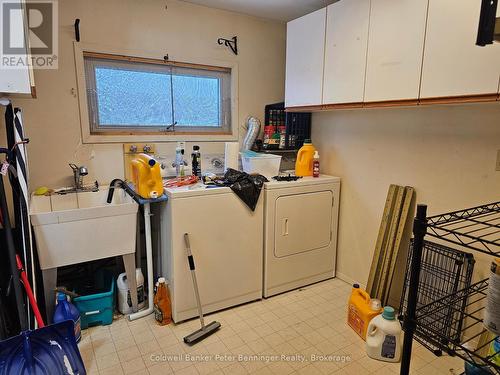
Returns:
(205, 330)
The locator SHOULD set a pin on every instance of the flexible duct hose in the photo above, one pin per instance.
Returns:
(253, 128)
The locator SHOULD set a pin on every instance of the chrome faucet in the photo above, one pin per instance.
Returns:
(78, 173)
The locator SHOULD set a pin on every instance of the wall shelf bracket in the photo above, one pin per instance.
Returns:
(231, 43)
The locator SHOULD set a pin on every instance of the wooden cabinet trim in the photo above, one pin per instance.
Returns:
(482, 98)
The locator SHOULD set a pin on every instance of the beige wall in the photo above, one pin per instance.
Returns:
(52, 120)
(447, 153)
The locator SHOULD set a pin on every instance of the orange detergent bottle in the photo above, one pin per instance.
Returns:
(162, 308)
(305, 157)
(361, 310)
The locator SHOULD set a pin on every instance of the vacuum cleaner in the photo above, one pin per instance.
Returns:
(205, 330)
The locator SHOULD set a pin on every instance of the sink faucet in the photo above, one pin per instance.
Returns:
(78, 173)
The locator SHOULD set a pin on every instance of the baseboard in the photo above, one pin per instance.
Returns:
(180, 316)
(349, 280)
(295, 284)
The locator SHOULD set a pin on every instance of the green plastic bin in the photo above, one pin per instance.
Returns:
(97, 309)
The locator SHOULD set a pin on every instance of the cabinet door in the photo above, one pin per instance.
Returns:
(303, 223)
(305, 47)
(453, 64)
(395, 49)
(345, 51)
(15, 80)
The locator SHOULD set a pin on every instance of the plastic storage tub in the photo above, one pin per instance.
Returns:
(265, 164)
(97, 309)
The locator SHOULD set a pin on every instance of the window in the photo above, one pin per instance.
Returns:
(128, 95)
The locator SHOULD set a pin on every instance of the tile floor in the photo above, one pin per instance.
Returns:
(307, 325)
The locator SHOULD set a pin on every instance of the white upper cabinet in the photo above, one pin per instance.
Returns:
(395, 49)
(16, 79)
(453, 64)
(305, 50)
(345, 51)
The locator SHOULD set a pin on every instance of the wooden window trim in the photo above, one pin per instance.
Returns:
(146, 60)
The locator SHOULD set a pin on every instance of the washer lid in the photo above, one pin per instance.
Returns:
(195, 190)
(304, 181)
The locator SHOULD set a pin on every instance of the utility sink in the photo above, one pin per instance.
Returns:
(79, 227)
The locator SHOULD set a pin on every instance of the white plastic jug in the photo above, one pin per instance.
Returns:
(384, 339)
(124, 300)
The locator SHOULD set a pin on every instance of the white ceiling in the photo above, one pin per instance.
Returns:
(279, 10)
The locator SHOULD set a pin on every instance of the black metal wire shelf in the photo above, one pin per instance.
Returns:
(443, 271)
(476, 228)
(468, 345)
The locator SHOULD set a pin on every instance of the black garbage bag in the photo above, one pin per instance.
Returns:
(247, 187)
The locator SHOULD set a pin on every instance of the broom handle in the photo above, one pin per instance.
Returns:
(193, 275)
(29, 292)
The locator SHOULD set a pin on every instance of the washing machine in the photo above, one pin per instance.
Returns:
(300, 232)
(226, 240)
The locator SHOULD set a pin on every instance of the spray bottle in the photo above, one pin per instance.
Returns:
(178, 161)
(316, 164)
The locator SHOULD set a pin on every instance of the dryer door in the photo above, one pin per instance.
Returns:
(303, 222)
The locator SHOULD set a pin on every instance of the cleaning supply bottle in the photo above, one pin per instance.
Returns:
(304, 162)
(182, 166)
(492, 308)
(162, 307)
(179, 161)
(361, 309)
(196, 161)
(67, 311)
(124, 299)
(494, 352)
(316, 164)
(384, 339)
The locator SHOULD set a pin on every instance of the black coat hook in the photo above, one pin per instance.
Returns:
(231, 43)
(77, 29)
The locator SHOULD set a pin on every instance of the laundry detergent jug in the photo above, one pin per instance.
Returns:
(146, 176)
(67, 311)
(305, 158)
(124, 299)
(384, 339)
(361, 309)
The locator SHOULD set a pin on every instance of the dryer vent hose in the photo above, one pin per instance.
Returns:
(253, 128)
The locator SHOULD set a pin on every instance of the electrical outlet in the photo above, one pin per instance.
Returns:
(498, 161)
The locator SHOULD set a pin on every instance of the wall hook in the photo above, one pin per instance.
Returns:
(77, 29)
(231, 43)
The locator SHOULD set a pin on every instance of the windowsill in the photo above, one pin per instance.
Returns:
(156, 137)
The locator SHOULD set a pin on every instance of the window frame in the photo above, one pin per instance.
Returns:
(152, 134)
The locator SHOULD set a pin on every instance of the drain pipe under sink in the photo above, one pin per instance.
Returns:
(149, 263)
(149, 246)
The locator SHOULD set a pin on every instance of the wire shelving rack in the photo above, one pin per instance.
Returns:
(476, 228)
